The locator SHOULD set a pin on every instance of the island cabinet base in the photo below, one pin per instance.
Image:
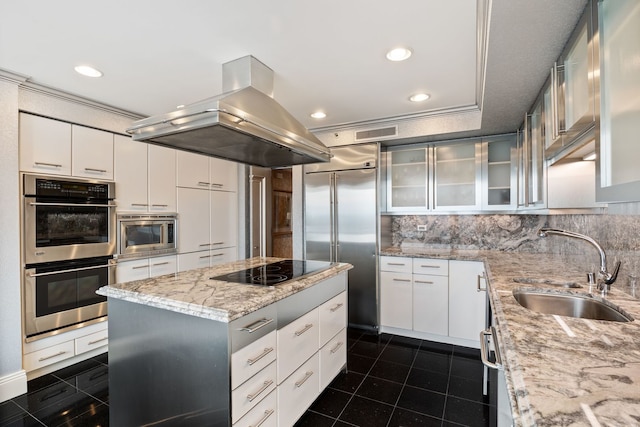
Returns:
(166, 368)
(264, 368)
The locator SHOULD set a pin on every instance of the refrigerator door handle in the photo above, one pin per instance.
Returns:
(335, 224)
(332, 217)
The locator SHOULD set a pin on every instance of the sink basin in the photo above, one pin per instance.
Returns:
(572, 305)
(553, 282)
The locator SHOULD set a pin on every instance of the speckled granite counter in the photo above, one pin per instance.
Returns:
(194, 293)
(580, 373)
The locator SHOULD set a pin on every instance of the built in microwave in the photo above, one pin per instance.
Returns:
(145, 235)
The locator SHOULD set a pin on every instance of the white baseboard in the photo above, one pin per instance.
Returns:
(13, 385)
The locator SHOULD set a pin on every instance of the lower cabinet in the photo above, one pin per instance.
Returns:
(436, 299)
(144, 268)
(55, 352)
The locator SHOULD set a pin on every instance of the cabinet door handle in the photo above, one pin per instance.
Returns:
(396, 263)
(260, 356)
(267, 414)
(336, 307)
(265, 386)
(303, 330)
(60, 353)
(216, 243)
(337, 347)
(430, 266)
(426, 282)
(478, 288)
(161, 263)
(401, 280)
(139, 204)
(215, 184)
(217, 255)
(98, 340)
(53, 165)
(159, 206)
(205, 244)
(307, 375)
(257, 325)
(138, 267)
(95, 170)
(204, 184)
(205, 256)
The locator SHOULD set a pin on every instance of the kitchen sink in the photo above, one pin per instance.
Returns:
(553, 282)
(573, 305)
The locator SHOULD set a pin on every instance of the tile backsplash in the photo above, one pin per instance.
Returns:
(617, 234)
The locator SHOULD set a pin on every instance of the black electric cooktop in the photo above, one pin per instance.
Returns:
(275, 273)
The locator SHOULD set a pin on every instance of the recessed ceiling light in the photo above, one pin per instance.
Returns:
(419, 97)
(318, 115)
(88, 71)
(399, 54)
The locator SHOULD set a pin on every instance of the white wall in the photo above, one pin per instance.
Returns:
(13, 380)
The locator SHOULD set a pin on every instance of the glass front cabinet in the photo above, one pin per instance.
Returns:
(453, 176)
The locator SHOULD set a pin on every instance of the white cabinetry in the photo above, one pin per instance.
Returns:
(468, 299)
(52, 353)
(45, 145)
(91, 153)
(145, 176)
(208, 208)
(435, 299)
(138, 269)
(57, 148)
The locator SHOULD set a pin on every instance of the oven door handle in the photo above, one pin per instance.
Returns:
(89, 205)
(71, 270)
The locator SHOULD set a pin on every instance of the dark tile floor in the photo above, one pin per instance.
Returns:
(391, 381)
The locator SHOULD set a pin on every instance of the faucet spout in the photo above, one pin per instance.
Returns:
(608, 278)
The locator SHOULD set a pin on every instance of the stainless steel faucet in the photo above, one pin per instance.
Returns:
(608, 278)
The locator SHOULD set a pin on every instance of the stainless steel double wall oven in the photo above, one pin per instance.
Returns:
(69, 239)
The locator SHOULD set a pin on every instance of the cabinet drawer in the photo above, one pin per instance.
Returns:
(297, 393)
(333, 317)
(264, 414)
(251, 392)
(397, 264)
(93, 341)
(249, 360)
(296, 343)
(438, 267)
(48, 356)
(160, 266)
(333, 356)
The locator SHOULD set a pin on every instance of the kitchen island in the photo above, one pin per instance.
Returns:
(190, 350)
(559, 370)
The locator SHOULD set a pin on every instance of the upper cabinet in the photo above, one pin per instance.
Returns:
(499, 169)
(570, 98)
(618, 174)
(207, 173)
(407, 188)
(58, 148)
(457, 176)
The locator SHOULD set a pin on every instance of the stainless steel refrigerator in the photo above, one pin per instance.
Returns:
(341, 223)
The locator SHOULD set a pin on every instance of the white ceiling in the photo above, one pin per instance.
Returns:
(329, 55)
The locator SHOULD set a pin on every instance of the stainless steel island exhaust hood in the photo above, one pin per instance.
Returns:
(244, 124)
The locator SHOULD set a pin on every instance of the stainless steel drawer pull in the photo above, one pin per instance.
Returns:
(217, 255)
(478, 288)
(204, 244)
(53, 165)
(396, 263)
(260, 356)
(161, 263)
(205, 256)
(426, 282)
(484, 349)
(401, 280)
(206, 184)
(337, 347)
(307, 375)
(215, 184)
(257, 325)
(336, 307)
(60, 353)
(217, 243)
(98, 340)
(159, 206)
(267, 414)
(139, 204)
(305, 329)
(138, 267)
(95, 170)
(265, 386)
(429, 266)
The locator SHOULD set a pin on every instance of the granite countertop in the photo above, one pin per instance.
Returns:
(560, 370)
(193, 292)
